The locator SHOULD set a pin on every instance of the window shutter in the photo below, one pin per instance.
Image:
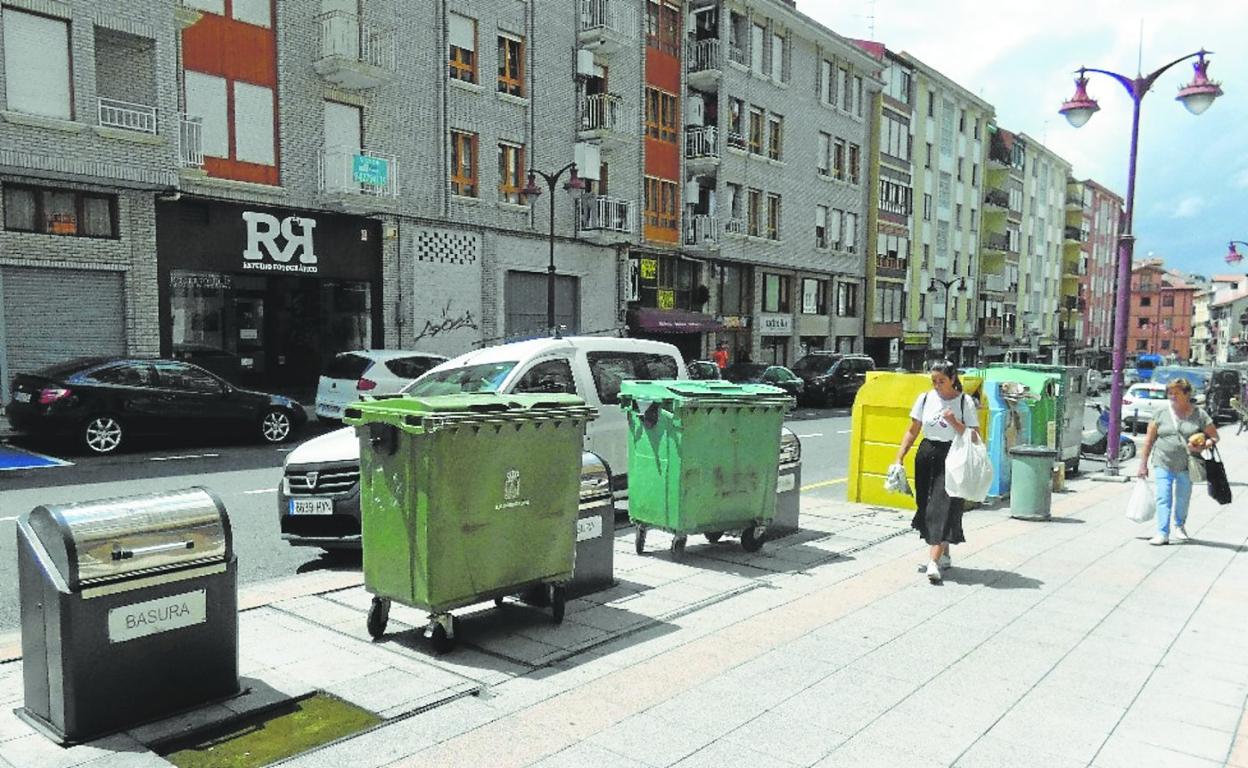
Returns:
(462, 32)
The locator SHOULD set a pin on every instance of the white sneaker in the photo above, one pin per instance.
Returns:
(1156, 541)
(945, 562)
(933, 572)
(1183, 533)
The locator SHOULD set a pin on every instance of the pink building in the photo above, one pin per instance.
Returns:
(1161, 313)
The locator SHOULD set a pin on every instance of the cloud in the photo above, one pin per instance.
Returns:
(1189, 207)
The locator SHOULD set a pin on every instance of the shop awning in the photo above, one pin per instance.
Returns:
(672, 321)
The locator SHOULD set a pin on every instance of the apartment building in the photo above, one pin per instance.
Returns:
(1047, 277)
(1001, 243)
(948, 160)
(1161, 312)
(890, 220)
(1203, 348)
(775, 177)
(1228, 319)
(1097, 212)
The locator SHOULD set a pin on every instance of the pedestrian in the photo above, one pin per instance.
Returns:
(720, 355)
(1171, 446)
(941, 413)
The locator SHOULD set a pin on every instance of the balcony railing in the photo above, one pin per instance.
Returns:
(895, 263)
(600, 111)
(997, 242)
(1074, 200)
(993, 283)
(348, 170)
(344, 39)
(190, 141)
(734, 226)
(992, 326)
(736, 140)
(998, 198)
(127, 116)
(606, 214)
(702, 142)
(1074, 234)
(701, 230)
(605, 17)
(736, 53)
(704, 55)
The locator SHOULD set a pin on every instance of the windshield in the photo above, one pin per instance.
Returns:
(486, 377)
(1197, 378)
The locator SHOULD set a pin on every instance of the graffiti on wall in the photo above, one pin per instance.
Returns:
(450, 320)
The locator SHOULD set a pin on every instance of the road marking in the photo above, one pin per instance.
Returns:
(824, 484)
(843, 431)
(187, 456)
(260, 490)
(812, 434)
(7, 519)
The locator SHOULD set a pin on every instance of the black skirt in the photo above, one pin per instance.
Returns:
(939, 517)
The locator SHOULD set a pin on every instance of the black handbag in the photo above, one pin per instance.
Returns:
(1215, 474)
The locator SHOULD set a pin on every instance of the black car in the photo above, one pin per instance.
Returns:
(100, 404)
(832, 378)
(1226, 383)
(762, 373)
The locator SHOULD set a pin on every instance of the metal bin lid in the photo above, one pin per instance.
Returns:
(107, 540)
(702, 393)
(419, 415)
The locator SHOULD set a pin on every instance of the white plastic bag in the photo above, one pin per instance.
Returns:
(968, 471)
(896, 481)
(1143, 504)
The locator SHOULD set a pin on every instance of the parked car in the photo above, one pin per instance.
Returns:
(1198, 377)
(1142, 402)
(703, 369)
(762, 373)
(368, 373)
(832, 378)
(224, 364)
(103, 404)
(1226, 383)
(318, 500)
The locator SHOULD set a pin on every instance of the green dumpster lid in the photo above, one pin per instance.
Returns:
(461, 409)
(699, 391)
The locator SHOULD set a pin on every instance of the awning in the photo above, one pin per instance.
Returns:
(672, 321)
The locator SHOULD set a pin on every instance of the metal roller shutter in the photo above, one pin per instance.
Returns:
(53, 315)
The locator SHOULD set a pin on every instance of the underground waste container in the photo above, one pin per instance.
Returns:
(1031, 486)
(703, 457)
(467, 498)
(129, 610)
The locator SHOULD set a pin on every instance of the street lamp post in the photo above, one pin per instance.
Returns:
(574, 186)
(1196, 96)
(944, 334)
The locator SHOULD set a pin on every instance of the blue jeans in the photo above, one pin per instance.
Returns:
(1174, 492)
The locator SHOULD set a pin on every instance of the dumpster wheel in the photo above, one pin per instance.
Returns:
(441, 633)
(752, 538)
(714, 536)
(639, 540)
(558, 602)
(378, 617)
(678, 547)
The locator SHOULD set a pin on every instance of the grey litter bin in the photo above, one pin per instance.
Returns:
(594, 568)
(788, 487)
(129, 611)
(1031, 481)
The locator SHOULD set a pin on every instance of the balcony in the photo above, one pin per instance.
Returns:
(992, 326)
(992, 284)
(190, 141)
(997, 199)
(600, 118)
(702, 148)
(348, 171)
(353, 55)
(736, 54)
(126, 116)
(894, 264)
(734, 226)
(599, 214)
(999, 242)
(737, 141)
(605, 25)
(999, 156)
(705, 61)
(701, 231)
(1073, 235)
(1074, 202)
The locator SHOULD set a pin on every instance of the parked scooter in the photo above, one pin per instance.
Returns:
(1093, 442)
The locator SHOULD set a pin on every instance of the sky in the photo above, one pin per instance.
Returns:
(1192, 177)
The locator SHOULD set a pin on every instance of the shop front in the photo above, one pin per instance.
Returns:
(266, 296)
(665, 302)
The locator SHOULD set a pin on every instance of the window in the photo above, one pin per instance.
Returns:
(959, 169)
(975, 174)
(851, 232)
(251, 12)
(889, 303)
(206, 99)
(846, 299)
(1165, 344)
(758, 34)
(821, 226)
(37, 65)
(411, 367)
(663, 28)
(660, 203)
(510, 65)
(462, 38)
(927, 207)
(186, 378)
(962, 122)
(463, 164)
(777, 57)
(1167, 300)
(825, 151)
(858, 102)
(734, 290)
(976, 129)
(928, 162)
(754, 221)
(756, 130)
(957, 256)
(927, 252)
(510, 173)
(736, 134)
(253, 124)
(931, 103)
(775, 136)
(773, 217)
(59, 212)
(1141, 344)
(125, 375)
(895, 198)
(814, 296)
(854, 164)
(828, 80)
(895, 137)
(844, 96)
(838, 160)
(548, 376)
(608, 369)
(957, 217)
(734, 201)
(661, 115)
(898, 84)
(775, 293)
(1146, 301)
(836, 228)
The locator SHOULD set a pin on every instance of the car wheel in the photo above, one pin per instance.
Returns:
(102, 435)
(275, 426)
(1127, 450)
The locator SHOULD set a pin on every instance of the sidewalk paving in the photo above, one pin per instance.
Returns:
(1068, 643)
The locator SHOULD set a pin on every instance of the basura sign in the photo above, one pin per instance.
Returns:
(273, 244)
(129, 622)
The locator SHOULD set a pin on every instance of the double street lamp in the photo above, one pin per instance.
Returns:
(1197, 96)
(574, 186)
(1233, 256)
(948, 284)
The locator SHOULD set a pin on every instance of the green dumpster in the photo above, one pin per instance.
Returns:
(465, 498)
(1031, 482)
(703, 458)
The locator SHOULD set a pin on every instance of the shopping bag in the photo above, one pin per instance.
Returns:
(968, 470)
(1215, 474)
(896, 481)
(1143, 504)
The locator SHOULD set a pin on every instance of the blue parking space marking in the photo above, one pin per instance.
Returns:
(12, 458)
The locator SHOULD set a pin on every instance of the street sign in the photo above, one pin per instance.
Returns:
(894, 351)
(366, 169)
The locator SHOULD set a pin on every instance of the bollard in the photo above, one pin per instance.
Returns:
(1031, 487)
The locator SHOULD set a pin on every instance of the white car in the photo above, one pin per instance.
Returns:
(1142, 402)
(351, 376)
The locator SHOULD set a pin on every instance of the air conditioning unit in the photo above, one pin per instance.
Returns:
(696, 109)
(588, 157)
(585, 63)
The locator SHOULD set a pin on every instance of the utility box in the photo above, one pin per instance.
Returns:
(594, 567)
(129, 611)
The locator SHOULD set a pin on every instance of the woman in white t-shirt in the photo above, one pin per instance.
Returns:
(942, 413)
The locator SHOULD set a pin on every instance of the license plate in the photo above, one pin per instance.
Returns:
(22, 397)
(331, 408)
(588, 528)
(311, 507)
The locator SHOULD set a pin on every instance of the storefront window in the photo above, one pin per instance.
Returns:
(775, 350)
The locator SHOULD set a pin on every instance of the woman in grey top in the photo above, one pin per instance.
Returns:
(1177, 434)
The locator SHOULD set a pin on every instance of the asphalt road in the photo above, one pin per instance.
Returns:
(245, 477)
